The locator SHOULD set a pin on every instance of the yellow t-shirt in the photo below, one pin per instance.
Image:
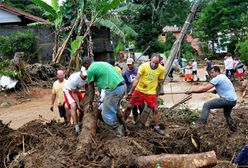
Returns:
(58, 90)
(149, 78)
(118, 69)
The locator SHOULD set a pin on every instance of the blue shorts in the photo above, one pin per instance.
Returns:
(111, 105)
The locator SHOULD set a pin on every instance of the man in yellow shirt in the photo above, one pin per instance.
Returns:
(144, 89)
(57, 93)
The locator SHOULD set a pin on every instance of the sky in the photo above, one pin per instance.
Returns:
(49, 1)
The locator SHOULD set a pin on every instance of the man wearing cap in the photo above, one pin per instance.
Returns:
(73, 96)
(144, 89)
(129, 76)
(57, 94)
(106, 77)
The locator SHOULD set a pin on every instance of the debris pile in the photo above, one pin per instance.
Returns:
(53, 144)
(37, 75)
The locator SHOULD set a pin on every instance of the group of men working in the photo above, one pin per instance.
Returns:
(138, 84)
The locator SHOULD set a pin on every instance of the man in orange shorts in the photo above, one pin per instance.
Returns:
(73, 96)
(144, 89)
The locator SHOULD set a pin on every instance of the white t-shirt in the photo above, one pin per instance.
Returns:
(100, 99)
(188, 70)
(74, 82)
(229, 63)
(235, 62)
(194, 66)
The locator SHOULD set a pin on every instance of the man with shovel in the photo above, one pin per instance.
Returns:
(228, 98)
(144, 89)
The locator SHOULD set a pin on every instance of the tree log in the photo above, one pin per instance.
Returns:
(178, 160)
(88, 132)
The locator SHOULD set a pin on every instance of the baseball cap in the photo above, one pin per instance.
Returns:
(84, 71)
(130, 61)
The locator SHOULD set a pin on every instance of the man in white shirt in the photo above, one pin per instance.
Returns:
(194, 69)
(73, 96)
(229, 65)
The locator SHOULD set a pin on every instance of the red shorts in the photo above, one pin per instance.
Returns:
(69, 99)
(239, 74)
(138, 99)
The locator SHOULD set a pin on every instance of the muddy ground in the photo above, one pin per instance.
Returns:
(53, 144)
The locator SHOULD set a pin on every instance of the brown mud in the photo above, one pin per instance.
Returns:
(53, 144)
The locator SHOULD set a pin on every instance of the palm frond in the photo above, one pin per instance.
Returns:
(111, 25)
(110, 5)
(46, 7)
(129, 7)
(55, 5)
(123, 26)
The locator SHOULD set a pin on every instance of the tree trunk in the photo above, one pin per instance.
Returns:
(61, 49)
(178, 160)
(88, 132)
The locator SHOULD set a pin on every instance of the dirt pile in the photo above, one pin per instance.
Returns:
(53, 144)
(38, 75)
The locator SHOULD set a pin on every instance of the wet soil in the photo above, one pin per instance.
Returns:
(53, 144)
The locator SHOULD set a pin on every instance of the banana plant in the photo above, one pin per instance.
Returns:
(53, 13)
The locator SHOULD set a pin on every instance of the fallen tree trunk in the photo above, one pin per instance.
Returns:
(88, 132)
(178, 160)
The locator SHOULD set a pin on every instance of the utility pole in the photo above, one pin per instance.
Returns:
(174, 51)
(177, 44)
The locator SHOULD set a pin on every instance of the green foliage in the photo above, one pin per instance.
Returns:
(149, 21)
(170, 39)
(51, 11)
(187, 51)
(188, 114)
(226, 19)
(19, 42)
(4, 69)
(242, 48)
(25, 5)
(111, 25)
(119, 47)
(173, 12)
(75, 44)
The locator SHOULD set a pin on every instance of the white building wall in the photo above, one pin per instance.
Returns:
(7, 17)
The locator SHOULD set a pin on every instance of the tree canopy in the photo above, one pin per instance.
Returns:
(225, 19)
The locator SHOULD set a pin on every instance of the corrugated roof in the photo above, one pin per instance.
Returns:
(22, 13)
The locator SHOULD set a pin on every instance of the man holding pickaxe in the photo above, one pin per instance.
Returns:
(144, 89)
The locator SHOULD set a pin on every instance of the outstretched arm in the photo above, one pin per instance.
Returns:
(201, 89)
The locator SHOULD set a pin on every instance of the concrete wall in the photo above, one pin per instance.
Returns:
(44, 36)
